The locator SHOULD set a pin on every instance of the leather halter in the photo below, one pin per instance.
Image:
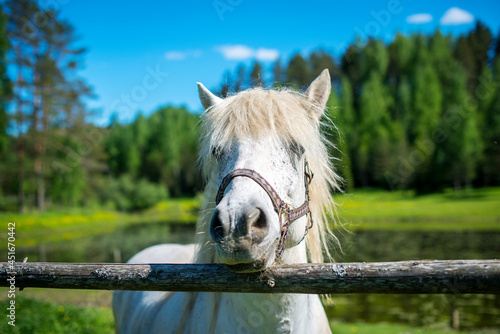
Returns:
(283, 209)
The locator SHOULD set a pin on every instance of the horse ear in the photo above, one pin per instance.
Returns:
(207, 98)
(319, 90)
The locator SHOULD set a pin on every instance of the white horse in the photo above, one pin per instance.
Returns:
(270, 134)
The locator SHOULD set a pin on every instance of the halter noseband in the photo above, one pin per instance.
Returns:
(283, 209)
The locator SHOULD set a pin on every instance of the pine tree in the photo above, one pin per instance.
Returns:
(375, 59)
(256, 75)
(398, 78)
(319, 61)
(351, 68)
(401, 52)
(496, 51)
(472, 52)
(462, 150)
(440, 53)
(491, 129)
(465, 56)
(5, 85)
(297, 72)
(481, 42)
(6, 156)
(427, 102)
(402, 109)
(48, 93)
(373, 155)
(240, 83)
(278, 74)
(342, 114)
(19, 56)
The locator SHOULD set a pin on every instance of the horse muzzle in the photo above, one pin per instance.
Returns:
(244, 241)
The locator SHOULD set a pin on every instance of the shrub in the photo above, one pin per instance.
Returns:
(127, 194)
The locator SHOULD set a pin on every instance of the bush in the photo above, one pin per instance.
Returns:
(127, 194)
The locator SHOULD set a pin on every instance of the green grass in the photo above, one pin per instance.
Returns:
(386, 328)
(478, 209)
(76, 297)
(39, 317)
(36, 316)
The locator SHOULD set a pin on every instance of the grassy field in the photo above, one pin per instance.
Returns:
(80, 311)
(478, 209)
(36, 228)
(38, 317)
(386, 328)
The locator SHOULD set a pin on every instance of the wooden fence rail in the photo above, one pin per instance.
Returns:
(406, 277)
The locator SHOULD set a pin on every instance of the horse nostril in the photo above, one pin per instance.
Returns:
(257, 224)
(256, 218)
(216, 227)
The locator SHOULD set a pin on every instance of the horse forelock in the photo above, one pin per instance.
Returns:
(286, 116)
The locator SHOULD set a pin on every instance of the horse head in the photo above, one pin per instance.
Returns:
(257, 145)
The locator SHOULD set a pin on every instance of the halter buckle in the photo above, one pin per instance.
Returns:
(284, 213)
(308, 173)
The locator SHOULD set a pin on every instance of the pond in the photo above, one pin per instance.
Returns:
(464, 312)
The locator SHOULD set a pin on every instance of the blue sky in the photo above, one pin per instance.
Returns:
(144, 54)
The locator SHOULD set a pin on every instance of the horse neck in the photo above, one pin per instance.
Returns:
(269, 313)
(272, 313)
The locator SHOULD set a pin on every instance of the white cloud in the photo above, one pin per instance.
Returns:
(240, 52)
(267, 54)
(235, 52)
(456, 16)
(419, 18)
(181, 55)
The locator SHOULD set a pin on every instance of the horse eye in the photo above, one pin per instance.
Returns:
(216, 152)
(296, 149)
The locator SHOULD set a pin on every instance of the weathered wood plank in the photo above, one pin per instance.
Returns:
(406, 277)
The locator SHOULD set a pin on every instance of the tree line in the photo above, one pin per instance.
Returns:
(421, 112)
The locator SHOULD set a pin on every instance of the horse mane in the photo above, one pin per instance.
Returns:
(287, 116)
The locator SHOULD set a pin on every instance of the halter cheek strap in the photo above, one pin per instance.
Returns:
(285, 212)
